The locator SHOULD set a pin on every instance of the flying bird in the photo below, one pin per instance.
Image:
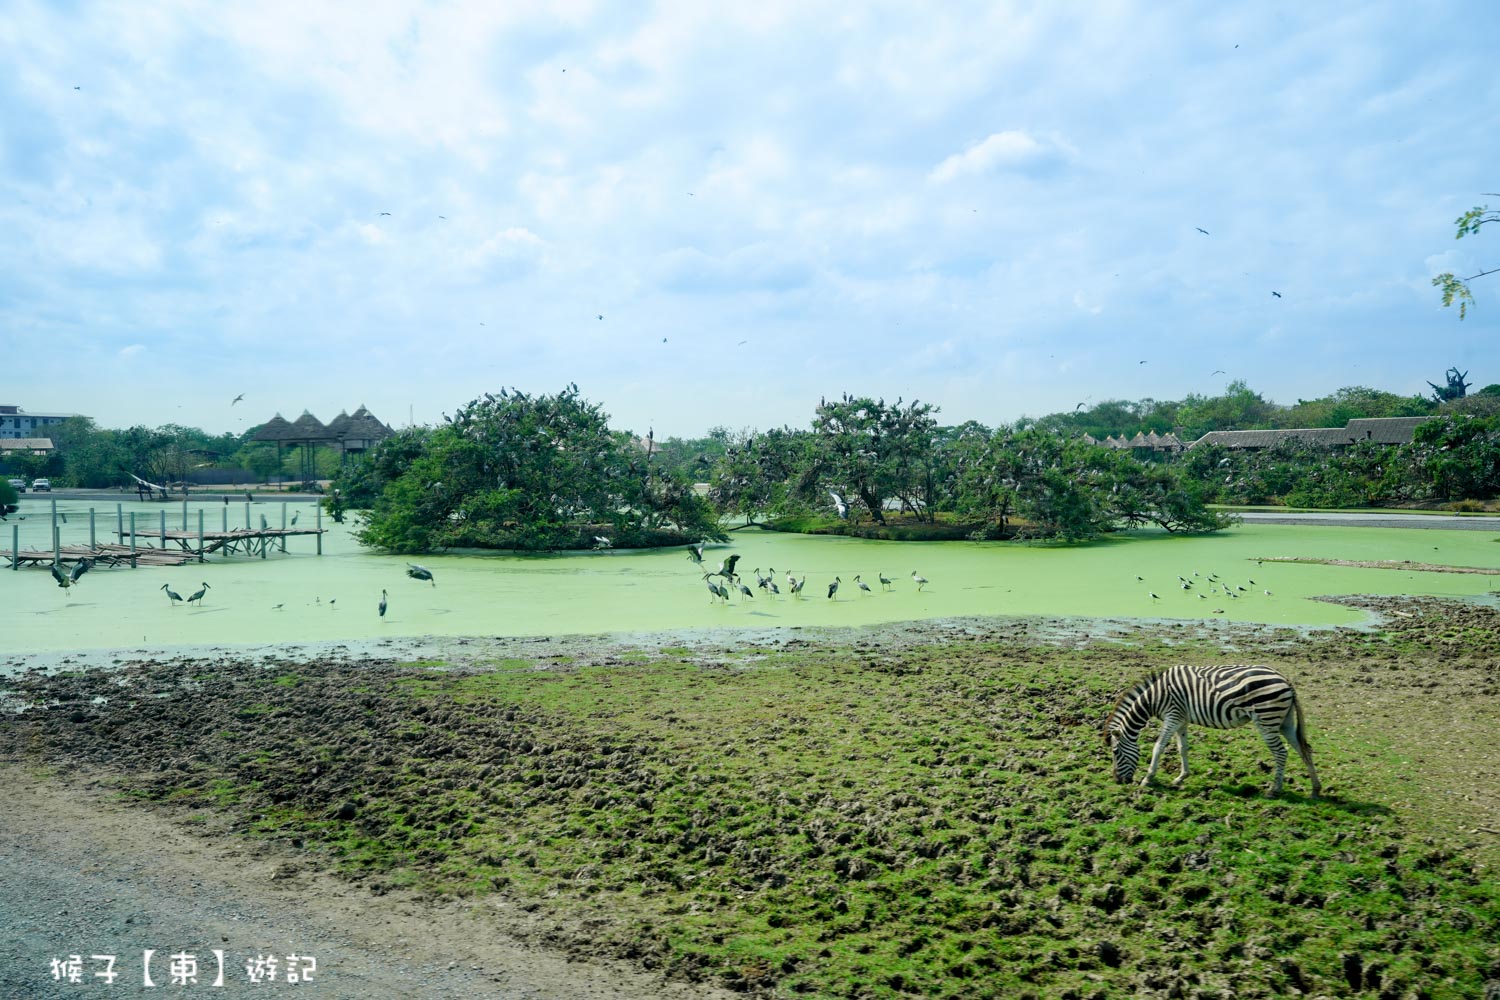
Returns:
(1217, 371)
(385, 213)
(726, 568)
(63, 580)
(420, 573)
(838, 501)
(1201, 230)
(81, 567)
(1277, 294)
(601, 315)
(695, 553)
(600, 542)
(237, 399)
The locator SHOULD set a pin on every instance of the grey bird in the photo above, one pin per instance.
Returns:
(833, 588)
(420, 573)
(198, 596)
(172, 595)
(382, 604)
(861, 584)
(885, 581)
(81, 567)
(63, 580)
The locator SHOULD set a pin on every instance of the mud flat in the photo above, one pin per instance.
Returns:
(901, 810)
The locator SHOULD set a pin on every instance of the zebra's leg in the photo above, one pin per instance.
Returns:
(1182, 742)
(1291, 731)
(1168, 728)
(1273, 739)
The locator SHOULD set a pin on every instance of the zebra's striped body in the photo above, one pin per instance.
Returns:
(1220, 697)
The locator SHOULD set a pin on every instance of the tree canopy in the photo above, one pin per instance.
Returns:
(1454, 288)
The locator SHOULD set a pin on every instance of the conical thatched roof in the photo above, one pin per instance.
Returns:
(1139, 441)
(276, 429)
(309, 428)
(339, 424)
(364, 430)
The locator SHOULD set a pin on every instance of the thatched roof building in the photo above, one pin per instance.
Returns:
(276, 429)
(1380, 430)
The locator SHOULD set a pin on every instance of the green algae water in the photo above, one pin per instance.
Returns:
(301, 597)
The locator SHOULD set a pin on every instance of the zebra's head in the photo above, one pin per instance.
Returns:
(1123, 748)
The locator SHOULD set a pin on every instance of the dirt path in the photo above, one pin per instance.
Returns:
(80, 874)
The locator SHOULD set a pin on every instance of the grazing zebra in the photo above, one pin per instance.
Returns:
(1220, 697)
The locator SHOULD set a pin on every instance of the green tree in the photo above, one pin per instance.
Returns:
(870, 452)
(1454, 288)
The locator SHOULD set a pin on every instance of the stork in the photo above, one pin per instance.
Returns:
(420, 573)
(199, 595)
(172, 595)
(918, 579)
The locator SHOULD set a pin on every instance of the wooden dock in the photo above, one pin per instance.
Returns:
(105, 555)
(250, 541)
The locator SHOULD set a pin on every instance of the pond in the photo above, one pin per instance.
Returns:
(301, 597)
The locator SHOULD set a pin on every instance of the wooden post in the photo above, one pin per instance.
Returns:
(247, 515)
(319, 509)
(283, 524)
(184, 514)
(15, 546)
(164, 527)
(225, 519)
(93, 544)
(200, 532)
(132, 539)
(120, 522)
(56, 538)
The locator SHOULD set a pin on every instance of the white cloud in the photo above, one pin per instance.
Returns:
(130, 350)
(1008, 150)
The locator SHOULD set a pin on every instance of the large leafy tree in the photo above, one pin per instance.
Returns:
(516, 470)
(871, 452)
(1454, 288)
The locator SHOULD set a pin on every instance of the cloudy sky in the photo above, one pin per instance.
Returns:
(708, 213)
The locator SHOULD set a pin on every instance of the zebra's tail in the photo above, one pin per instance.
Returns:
(1301, 725)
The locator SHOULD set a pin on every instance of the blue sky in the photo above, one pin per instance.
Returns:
(989, 206)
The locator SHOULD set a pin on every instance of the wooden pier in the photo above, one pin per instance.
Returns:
(104, 555)
(250, 541)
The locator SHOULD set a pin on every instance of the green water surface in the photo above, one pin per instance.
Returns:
(300, 597)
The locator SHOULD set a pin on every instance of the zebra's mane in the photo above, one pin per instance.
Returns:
(1130, 694)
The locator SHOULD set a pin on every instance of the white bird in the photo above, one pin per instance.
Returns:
(695, 553)
(861, 584)
(600, 542)
(796, 586)
(918, 579)
(838, 502)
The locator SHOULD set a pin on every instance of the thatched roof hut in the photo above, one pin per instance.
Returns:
(310, 429)
(276, 429)
(363, 431)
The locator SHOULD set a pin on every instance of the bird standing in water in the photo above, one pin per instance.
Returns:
(382, 604)
(172, 595)
(199, 595)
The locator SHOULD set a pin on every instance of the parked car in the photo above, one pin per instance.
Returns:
(19, 484)
(41, 486)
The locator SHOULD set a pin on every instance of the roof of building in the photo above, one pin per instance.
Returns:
(364, 426)
(275, 429)
(1384, 430)
(26, 444)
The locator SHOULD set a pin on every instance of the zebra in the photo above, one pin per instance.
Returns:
(1221, 697)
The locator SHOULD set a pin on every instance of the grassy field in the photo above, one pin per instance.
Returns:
(921, 812)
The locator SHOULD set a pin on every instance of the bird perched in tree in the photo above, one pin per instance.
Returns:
(420, 573)
(198, 596)
(172, 595)
(833, 588)
(918, 579)
(861, 584)
(382, 604)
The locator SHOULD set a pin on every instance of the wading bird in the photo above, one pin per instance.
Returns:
(295, 515)
(81, 567)
(420, 573)
(838, 502)
(172, 595)
(600, 542)
(861, 584)
(918, 579)
(746, 591)
(63, 580)
(382, 604)
(695, 553)
(199, 595)
(726, 568)
(796, 587)
(716, 590)
(833, 588)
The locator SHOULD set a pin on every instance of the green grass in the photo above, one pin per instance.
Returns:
(859, 819)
